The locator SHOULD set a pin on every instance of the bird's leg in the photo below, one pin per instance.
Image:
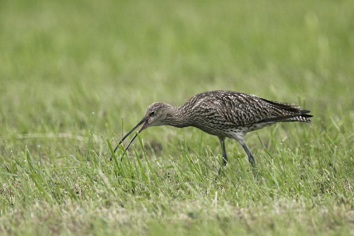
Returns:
(251, 159)
(222, 142)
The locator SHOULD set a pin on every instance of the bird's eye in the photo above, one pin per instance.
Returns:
(152, 113)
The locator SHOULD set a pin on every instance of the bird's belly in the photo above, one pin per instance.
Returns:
(257, 126)
(237, 133)
(230, 131)
(221, 130)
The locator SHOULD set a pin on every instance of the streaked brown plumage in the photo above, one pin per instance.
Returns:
(225, 114)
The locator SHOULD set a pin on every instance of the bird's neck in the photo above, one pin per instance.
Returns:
(177, 117)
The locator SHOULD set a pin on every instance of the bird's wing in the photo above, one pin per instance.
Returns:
(244, 109)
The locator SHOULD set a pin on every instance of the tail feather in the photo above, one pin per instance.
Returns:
(301, 118)
(286, 106)
(298, 118)
(299, 115)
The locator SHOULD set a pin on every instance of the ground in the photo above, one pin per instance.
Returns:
(76, 75)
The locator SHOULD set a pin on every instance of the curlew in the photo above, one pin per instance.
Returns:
(225, 114)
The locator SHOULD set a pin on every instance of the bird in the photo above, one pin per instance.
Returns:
(222, 113)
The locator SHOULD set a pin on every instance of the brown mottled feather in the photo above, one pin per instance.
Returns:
(228, 109)
(226, 114)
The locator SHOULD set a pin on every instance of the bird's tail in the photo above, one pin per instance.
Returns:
(303, 117)
(296, 113)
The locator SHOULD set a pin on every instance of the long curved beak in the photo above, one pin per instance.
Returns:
(144, 120)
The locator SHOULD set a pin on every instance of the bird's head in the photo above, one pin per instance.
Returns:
(157, 113)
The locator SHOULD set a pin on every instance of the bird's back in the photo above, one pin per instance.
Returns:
(217, 112)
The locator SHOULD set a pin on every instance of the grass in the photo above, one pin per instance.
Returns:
(76, 75)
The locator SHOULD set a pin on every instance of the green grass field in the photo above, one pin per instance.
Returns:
(76, 75)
